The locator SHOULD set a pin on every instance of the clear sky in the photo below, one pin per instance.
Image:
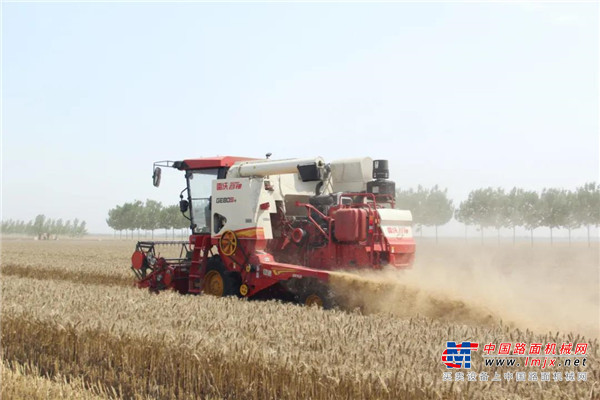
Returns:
(463, 95)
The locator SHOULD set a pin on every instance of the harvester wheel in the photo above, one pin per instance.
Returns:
(219, 282)
(319, 296)
(214, 284)
(313, 300)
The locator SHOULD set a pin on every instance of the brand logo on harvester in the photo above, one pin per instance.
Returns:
(458, 355)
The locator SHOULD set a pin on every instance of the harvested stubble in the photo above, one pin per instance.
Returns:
(170, 346)
(81, 256)
(65, 274)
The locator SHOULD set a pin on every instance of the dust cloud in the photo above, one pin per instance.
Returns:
(541, 288)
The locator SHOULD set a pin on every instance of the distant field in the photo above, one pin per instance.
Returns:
(73, 326)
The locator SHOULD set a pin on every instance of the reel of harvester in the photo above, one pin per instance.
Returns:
(156, 272)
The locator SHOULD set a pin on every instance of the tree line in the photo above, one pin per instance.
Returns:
(44, 228)
(148, 216)
(484, 208)
(494, 207)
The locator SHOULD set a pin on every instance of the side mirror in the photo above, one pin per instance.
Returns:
(183, 205)
(156, 177)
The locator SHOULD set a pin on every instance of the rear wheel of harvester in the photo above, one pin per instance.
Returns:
(219, 282)
(313, 300)
(317, 295)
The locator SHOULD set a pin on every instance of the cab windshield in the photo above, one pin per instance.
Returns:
(200, 186)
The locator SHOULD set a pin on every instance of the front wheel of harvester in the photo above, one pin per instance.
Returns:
(219, 282)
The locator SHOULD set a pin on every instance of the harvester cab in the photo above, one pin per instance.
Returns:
(262, 227)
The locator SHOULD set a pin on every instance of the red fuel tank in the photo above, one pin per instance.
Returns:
(350, 225)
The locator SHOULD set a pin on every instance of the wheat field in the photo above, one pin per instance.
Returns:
(73, 326)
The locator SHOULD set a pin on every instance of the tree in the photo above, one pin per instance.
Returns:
(115, 219)
(175, 219)
(166, 221)
(415, 202)
(179, 220)
(38, 226)
(75, 228)
(10, 226)
(60, 228)
(481, 206)
(438, 209)
(529, 208)
(68, 227)
(81, 230)
(588, 212)
(132, 216)
(151, 216)
(465, 215)
(513, 210)
(499, 210)
(572, 220)
(43, 227)
(51, 226)
(138, 214)
(554, 209)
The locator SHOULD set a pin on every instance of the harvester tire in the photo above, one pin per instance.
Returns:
(219, 282)
(319, 296)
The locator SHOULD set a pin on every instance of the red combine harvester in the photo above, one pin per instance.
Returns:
(278, 228)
